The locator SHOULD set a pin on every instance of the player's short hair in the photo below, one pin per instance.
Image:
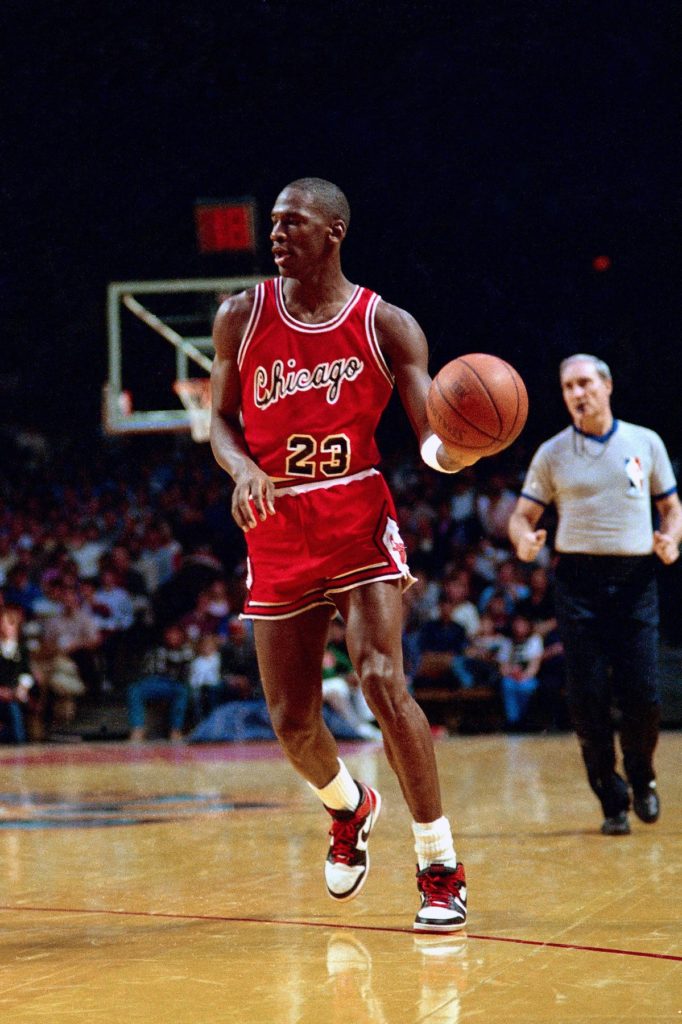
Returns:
(600, 366)
(328, 197)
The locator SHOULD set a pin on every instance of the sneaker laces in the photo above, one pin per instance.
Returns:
(440, 885)
(344, 840)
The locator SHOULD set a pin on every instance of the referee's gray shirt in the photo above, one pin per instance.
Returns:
(602, 488)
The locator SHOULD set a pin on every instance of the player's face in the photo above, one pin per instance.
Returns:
(301, 234)
(587, 394)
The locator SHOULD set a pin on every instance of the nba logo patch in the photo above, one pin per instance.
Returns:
(635, 474)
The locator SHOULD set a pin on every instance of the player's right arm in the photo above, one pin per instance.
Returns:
(404, 345)
(252, 487)
(528, 541)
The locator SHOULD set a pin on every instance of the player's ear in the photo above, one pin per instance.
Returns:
(337, 230)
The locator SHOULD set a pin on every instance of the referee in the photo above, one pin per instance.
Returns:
(601, 475)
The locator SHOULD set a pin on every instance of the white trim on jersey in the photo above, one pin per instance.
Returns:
(406, 579)
(323, 601)
(258, 300)
(373, 341)
(327, 325)
(318, 485)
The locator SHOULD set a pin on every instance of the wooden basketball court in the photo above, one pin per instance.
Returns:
(184, 884)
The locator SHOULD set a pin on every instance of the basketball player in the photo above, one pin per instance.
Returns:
(601, 475)
(305, 364)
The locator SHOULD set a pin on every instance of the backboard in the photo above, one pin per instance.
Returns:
(159, 332)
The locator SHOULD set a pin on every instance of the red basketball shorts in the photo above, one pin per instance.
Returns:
(324, 538)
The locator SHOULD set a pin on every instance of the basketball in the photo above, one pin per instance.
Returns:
(478, 404)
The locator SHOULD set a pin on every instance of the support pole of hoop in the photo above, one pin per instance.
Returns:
(167, 332)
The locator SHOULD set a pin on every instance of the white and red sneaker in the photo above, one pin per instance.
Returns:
(443, 892)
(347, 863)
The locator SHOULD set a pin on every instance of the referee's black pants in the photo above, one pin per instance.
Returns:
(607, 609)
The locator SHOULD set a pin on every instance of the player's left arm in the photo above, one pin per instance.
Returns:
(669, 533)
(405, 348)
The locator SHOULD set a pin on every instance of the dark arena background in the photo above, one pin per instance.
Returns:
(513, 171)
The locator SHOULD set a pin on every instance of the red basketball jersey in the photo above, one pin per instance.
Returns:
(312, 394)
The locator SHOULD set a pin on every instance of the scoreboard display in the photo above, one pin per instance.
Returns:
(227, 225)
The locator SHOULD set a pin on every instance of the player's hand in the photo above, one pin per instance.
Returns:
(452, 459)
(530, 544)
(253, 496)
(666, 548)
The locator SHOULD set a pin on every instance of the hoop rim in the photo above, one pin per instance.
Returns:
(195, 395)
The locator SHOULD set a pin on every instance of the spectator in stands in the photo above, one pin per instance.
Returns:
(112, 604)
(165, 677)
(160, 555)
(495, 503)
(538, 605)
(219, 604)
(49, 603)
(199, 622)
(7, 556)
(113, 608)
(20, 588)
(520, 671)
(481, 561)
(467, 528)
(224, 669)
(74, 633)
(441, 643)
(119, 559)
(420, 601)
(238, 658)
(340, 686)
(202, 620)
(488, 650)
(16, 677)
(443, 531)
(86, 547)
(551, 703)
(508, 585)
(205, 677)
(464, 610)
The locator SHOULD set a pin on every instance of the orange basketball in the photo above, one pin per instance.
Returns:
(477, 403)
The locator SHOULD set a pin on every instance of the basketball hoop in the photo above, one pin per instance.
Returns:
(195, 395)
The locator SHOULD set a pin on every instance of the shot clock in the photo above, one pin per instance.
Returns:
(226, 225)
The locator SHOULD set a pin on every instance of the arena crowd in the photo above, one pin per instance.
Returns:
(122, 576)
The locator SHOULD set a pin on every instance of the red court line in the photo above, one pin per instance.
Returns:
(163, 915)
(122, 753)
(125, 754)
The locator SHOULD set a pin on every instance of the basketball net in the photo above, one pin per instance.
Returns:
(195, 395)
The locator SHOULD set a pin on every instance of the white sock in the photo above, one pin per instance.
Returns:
(433, 843)
(342, 793)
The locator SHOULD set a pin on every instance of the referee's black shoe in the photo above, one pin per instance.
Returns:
(618, 825)
(646, 804)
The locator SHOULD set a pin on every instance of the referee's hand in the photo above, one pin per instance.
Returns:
(665, 547)
(530, 544)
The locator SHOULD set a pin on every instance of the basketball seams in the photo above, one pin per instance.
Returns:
(441, 408)
(456, 412)
(486, 390)
(493, 438)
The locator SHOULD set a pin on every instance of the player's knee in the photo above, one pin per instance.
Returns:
(385, 691)
(293, 728)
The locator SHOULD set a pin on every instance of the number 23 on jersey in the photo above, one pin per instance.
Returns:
(308, 456)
